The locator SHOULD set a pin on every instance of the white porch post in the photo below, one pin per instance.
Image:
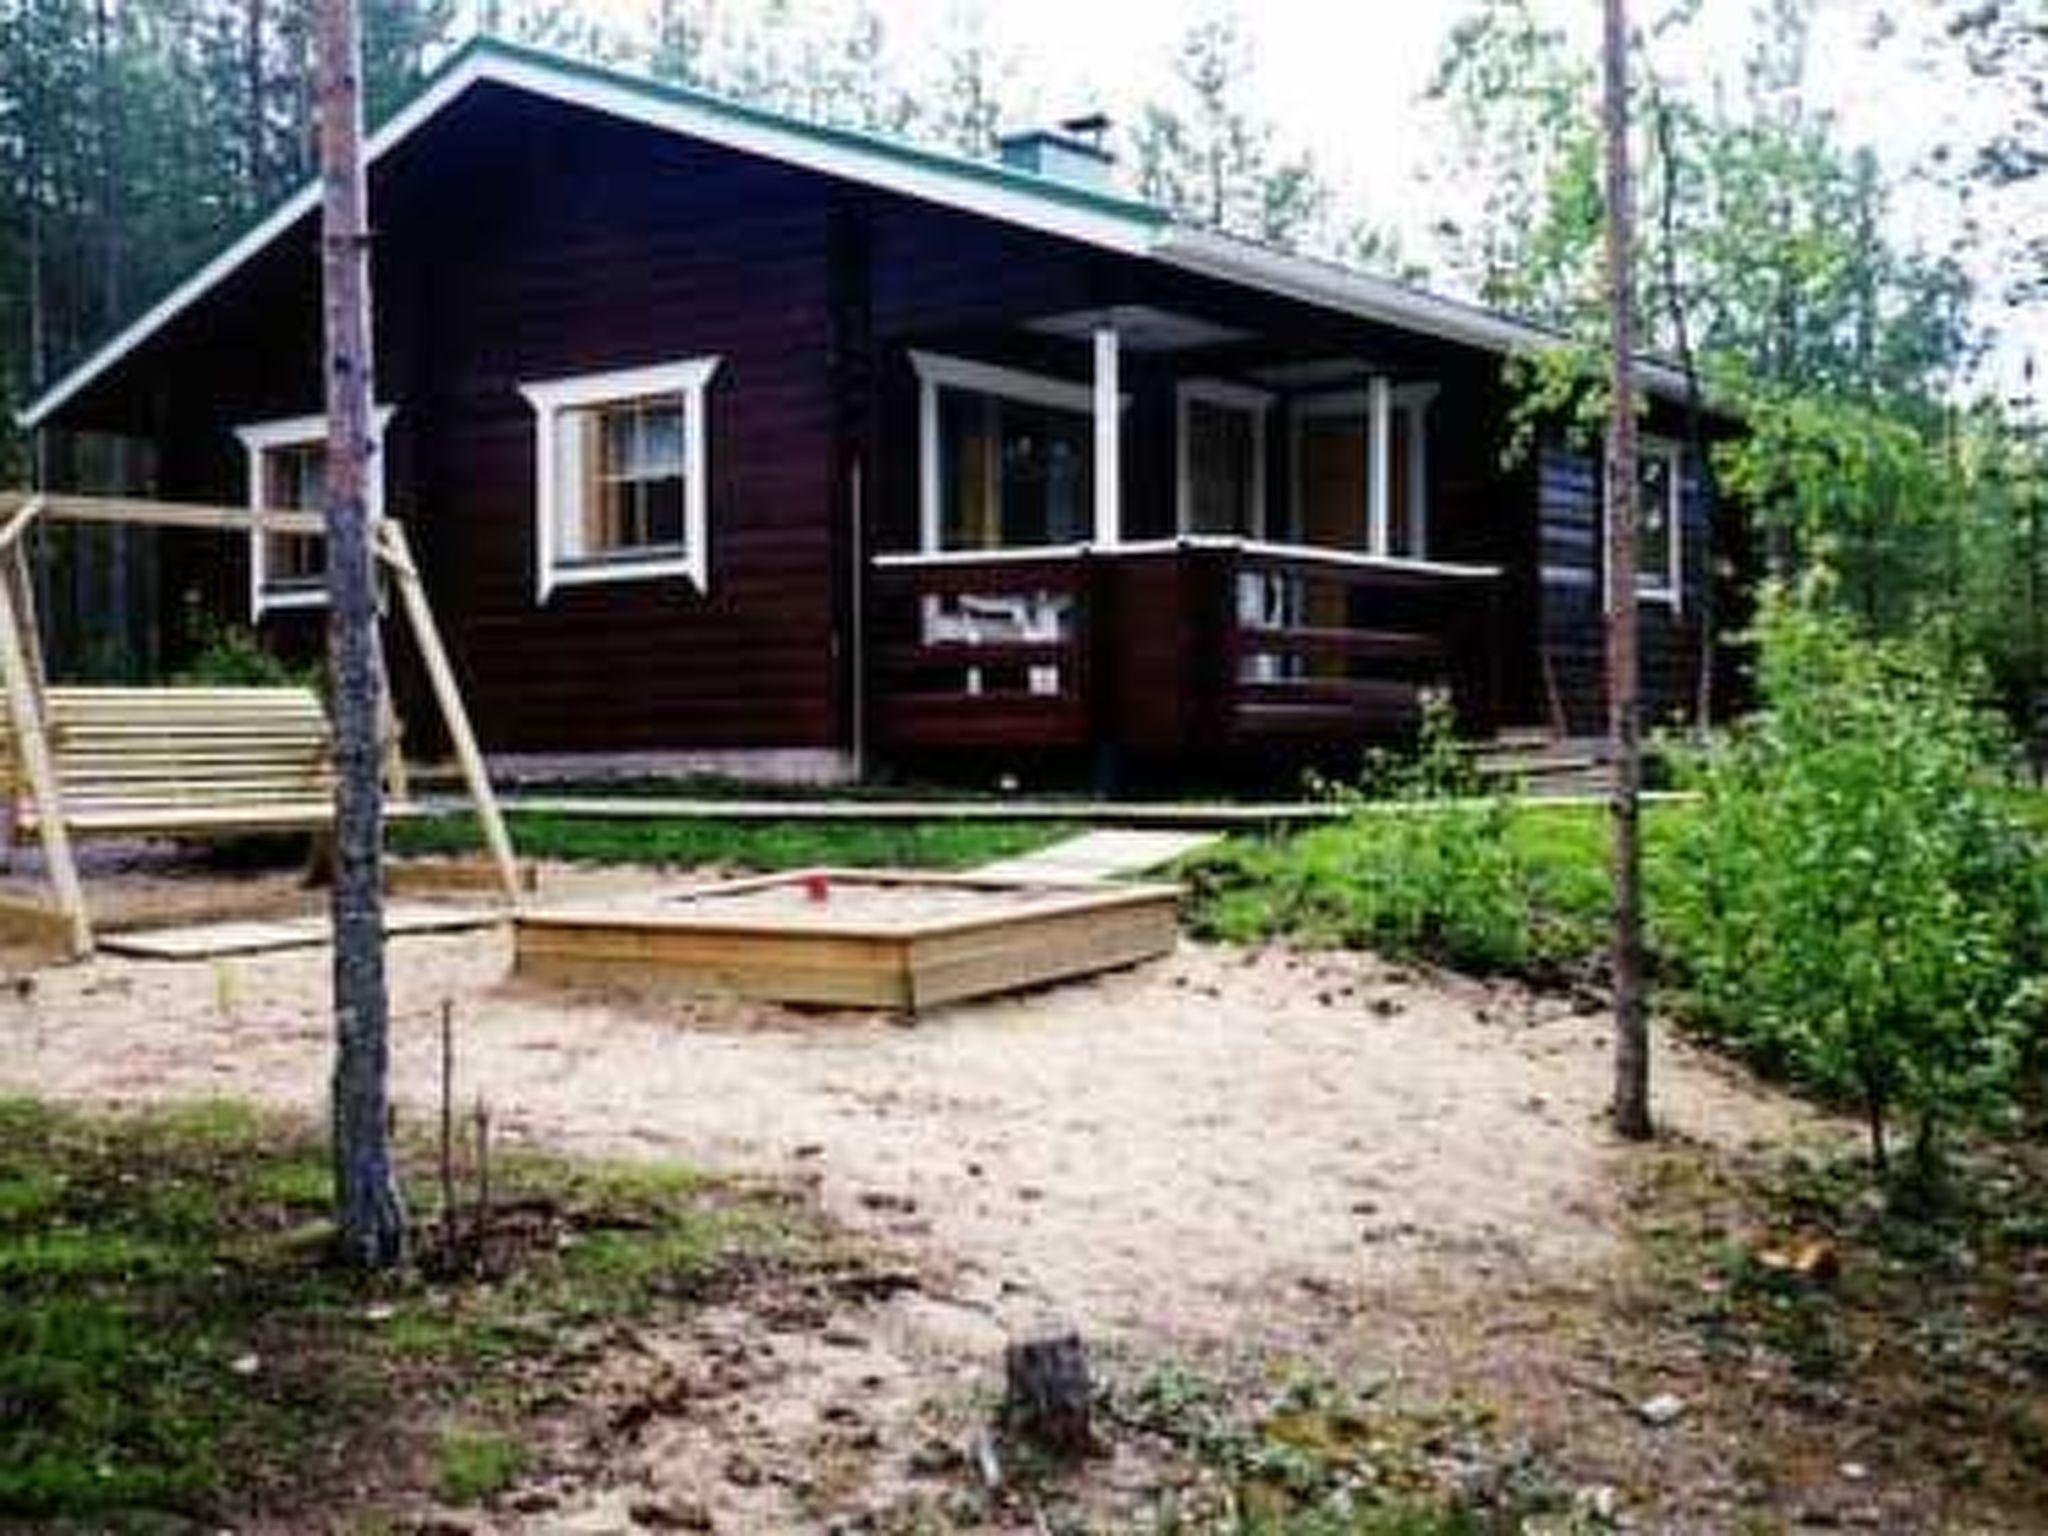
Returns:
(1380, 493)
(1108, 440)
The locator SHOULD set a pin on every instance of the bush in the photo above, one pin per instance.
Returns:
(230, 656)
(1856, 905)
(1448, 873)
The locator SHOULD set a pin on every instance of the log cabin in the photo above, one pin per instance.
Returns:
(734, 443)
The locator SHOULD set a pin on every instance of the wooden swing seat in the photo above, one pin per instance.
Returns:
(185, 762)
(192, 762)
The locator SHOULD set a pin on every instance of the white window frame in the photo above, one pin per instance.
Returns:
(1416, 400)
(261, 437)
(550, 398)
(1223, 395)
(937, 371)
(1670, 588)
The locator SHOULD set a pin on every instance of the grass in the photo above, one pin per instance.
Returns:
(1507, 886)
(472, 1467)
(750, 845)
(1317, 1457)
(175, 1346)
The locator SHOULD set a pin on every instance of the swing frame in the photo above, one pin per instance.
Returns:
(27, 692)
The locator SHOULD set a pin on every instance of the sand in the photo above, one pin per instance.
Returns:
(1148, 1154)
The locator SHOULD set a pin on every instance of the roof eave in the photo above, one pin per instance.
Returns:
(1376, 298)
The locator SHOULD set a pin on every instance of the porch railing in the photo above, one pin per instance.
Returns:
(1174, 646)
(987, 650)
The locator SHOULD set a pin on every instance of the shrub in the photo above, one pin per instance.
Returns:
(232, 656)
(1448, 873)
(1856, 905)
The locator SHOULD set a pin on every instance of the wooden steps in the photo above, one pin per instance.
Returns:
(1542, 765)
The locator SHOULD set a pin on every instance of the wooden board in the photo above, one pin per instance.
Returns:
(212, 941)
(1107, 854)
(948, 937)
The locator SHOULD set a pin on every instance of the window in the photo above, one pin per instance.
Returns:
(1660, 554)
(288, 473)
(620, 475)
(1337, 477)
(1007, 459)
(1222, 479)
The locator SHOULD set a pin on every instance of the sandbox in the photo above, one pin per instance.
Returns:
(850, 938)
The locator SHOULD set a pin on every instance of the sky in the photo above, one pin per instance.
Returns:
(1346, 79)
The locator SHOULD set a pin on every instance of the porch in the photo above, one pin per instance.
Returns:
(1180, 536)
(1199, 649)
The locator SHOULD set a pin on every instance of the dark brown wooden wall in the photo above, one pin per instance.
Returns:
(520, 242)
(1573, 565)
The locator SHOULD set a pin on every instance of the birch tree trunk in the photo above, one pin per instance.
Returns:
(369, 1213)
(1624, 701)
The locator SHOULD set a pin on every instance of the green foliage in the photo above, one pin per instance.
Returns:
(175, 1351)
(1427, 866)
(231, 656)
(1201, 156)
(1317, 1458)
(473, 1466)
(1855, 905)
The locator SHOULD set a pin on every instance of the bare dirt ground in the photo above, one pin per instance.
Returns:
(1232, 1158)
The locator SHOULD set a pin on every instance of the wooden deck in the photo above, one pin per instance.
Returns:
(1196, 647)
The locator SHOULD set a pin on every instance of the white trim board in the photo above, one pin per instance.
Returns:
(1103, 220)
(257, 438)
(937, 371)
(549, 398)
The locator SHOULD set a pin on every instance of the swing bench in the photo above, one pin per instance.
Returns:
(182, 762)
(191, 762)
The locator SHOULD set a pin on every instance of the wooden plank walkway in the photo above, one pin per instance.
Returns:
(1109, 854)
(212, 941)
(1220, 815)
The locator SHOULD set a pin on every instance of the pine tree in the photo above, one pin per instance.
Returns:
(370, 1216)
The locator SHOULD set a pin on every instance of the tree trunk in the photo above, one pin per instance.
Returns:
(253, 149)
(1695, 427)
(1624, 703)
(369, 1213)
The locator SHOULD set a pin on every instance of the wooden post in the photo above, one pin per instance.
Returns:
(33, 748)
(412, 593)
(1108, 440)
(1624, 699)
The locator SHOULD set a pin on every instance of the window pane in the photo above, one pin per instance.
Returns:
(1404, 526)
(1333, 478)
(1048, 474)
(1012, 474)
(1222, 468)
(661, 440)
(1656, 491)
(619, 481)
(969, 494)
(295, 480)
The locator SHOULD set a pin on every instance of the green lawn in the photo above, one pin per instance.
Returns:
(176, 1351)
(752, 845)
(1519, 887)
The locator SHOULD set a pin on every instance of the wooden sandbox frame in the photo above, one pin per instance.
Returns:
(678, 944)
